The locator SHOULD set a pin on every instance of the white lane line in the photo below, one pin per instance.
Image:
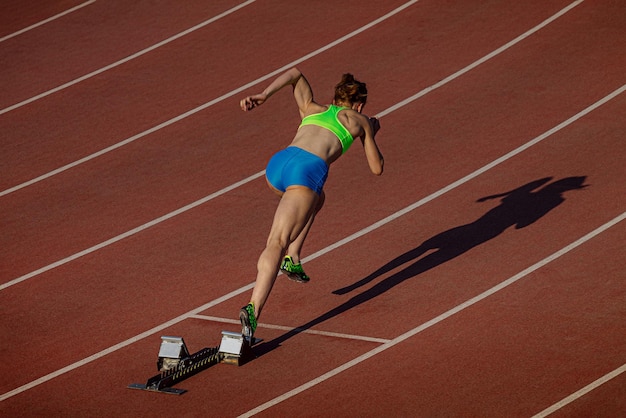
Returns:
(129, 233)
(251, 84)
(238, 291)
(437, 319)
(125, 60)
(205, 105)
(582, 392)
(43, 22)
(296, 329)
(483, 59)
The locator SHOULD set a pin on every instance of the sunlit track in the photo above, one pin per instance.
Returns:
(43, 22)
(207, 104)
(472, 175)
(119, 346)
(346, 365)
(127, 59)
(481, 275)
(283, 68)
(353, 237)
(511, 280)
(261, 173)
(130, 233)
(482, 60)
(582, 392)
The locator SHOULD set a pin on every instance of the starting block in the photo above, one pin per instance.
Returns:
(176, 364)
(236, 349)
(171, 352)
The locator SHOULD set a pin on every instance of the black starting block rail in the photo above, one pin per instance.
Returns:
(176, 364)
(187, 367)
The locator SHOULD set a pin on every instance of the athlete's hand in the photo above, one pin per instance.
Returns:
(375, 125)
(251, 102)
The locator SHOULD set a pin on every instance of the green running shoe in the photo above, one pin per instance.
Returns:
(248, 321)
(293, 271)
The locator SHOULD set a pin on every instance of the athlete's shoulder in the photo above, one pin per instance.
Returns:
(355, 117)
(314, 108)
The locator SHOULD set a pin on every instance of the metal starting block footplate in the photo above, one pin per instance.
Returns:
(236, 349)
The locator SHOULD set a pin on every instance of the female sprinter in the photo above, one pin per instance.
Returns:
(298, 172)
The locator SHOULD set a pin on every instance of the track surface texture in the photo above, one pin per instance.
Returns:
(481, 276)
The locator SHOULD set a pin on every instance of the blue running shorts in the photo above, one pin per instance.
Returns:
(294, 166)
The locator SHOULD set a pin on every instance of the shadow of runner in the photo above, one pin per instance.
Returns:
(519, 207)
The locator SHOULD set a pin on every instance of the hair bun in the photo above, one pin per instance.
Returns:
(347, 78)
(349, 90)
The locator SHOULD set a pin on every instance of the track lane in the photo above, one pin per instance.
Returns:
(209, 247)
(89, 39)
(506, 355)
(203, 147)
(487, 239)
(158, 171)
(17, 17)
(169, 84)
(361, 212)
(594, 160)
(607, 390)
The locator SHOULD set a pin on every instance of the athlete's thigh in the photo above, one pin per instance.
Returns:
(292, 213)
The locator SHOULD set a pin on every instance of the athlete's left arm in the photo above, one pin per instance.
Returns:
(370, 127)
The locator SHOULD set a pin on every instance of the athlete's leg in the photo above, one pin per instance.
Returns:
(296, 246)
(292, 215)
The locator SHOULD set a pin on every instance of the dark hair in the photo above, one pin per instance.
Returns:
(350, 90)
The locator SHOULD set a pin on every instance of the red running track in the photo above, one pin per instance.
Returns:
(481, 275)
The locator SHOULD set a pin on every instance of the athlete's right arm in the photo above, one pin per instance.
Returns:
(301, 90)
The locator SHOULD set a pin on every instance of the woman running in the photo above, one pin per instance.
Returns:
(298, 173)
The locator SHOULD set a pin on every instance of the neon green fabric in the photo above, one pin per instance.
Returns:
(328, 120)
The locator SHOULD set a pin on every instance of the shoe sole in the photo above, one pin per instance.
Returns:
(295, 277)
(246, 328)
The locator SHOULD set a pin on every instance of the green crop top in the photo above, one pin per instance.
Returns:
(328, 120)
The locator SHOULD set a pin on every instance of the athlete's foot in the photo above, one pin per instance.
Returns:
(248, 321)
(293, 270)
